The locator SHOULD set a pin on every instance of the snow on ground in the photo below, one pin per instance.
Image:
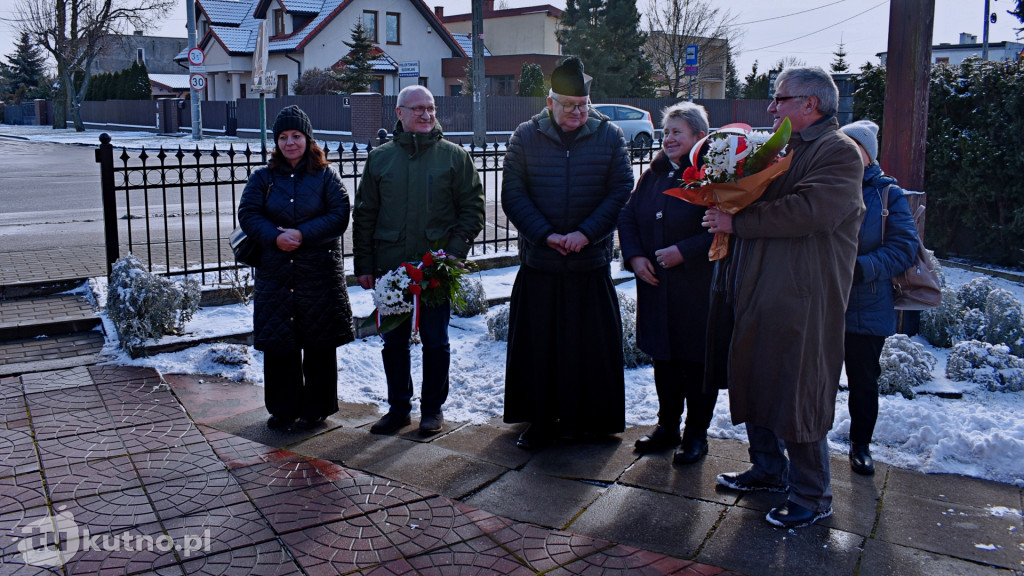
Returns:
(980, 434)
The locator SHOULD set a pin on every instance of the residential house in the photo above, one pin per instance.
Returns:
(168, 78)
(968, 47)
(707, 78)
(514, 37)
(307, 34)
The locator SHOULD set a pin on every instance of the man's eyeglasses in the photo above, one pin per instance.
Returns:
(419, 110)
(779, 99)
(568, 108)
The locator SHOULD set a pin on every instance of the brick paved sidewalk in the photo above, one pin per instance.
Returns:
(111, 450)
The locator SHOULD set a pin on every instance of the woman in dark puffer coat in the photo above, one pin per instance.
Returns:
(297, 209)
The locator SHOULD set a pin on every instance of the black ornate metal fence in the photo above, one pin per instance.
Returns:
(174, 209)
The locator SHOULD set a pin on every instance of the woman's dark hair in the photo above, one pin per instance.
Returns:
(314, 157)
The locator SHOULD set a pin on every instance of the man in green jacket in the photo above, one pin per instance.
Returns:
(418, 192)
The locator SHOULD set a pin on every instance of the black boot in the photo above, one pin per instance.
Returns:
(860, 459)
(693, 448)
(661, 438)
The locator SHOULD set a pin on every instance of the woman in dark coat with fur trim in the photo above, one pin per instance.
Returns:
(297, 209)
(665, 246)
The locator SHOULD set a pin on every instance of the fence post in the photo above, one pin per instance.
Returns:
(366, 113)
(105, 158)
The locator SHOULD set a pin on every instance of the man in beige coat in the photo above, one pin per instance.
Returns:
(791, 268)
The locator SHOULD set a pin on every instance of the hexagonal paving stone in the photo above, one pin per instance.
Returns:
(341, 546)
(64, 451)
(545, 549)
(417, 527)
(17, 453)
(478, 556)
(21, 492)
(187, 495)
(149, 436)
(266, 559)
(60, 379)
(90, 478)
(287, 474)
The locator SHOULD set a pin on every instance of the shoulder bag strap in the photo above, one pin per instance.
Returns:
(885, 208)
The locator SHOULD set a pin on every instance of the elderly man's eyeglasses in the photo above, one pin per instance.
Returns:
(419, 110)
(568, 108)
(780, 99)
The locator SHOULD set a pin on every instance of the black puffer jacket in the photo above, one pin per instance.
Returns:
(301, 300)
(550, 189)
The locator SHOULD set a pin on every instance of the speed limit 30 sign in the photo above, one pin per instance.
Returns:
(197, 82)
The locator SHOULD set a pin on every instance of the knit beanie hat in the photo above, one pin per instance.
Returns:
(568, 78)
(293, 118)
(865, 132)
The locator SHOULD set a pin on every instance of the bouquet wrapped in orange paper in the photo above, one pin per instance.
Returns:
(736, 169)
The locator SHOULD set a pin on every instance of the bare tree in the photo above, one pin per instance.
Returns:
(675, 24)
(74, 32)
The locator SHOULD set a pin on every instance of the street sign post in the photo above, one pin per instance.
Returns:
(197, 82)
(409, 69)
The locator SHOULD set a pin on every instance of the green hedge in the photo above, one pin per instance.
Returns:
(974, 167)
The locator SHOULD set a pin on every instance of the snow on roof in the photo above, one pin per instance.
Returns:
(172, 81)
(466, 42)
(237, 40)
(226, 11)
(303, 6)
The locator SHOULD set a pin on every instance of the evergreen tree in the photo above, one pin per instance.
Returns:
(531, 81)
(1018, 14)
(606, 35)
(756, 84)
(137, 86)
(869, 94)
(733, 86)
(357, 74)
(840, 65)
(25, 71)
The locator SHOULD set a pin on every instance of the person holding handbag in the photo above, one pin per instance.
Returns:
(886, 246)
(296, 209)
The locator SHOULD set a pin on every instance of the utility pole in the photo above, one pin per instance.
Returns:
(197, 110)
(984, 34)
(479, 104)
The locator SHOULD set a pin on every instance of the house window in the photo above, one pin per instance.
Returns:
(423, 81)
(455, 90)
(394, 29)
(370, 24)
(278, 22)
(282, 86)
(242, 90)
(377, 85)
(140, 56)
(504, 85)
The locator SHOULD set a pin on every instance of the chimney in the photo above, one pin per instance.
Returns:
(439, 12)
(966, 38)
(488, 6)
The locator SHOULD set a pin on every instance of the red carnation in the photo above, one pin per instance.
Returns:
(433, 283)
(428, 259)
(693, 174)
(414, 273)
(415, 289)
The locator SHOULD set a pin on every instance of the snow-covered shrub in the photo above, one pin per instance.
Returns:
(474, 296)
(990, 365)
(1005, 321)
(973, 294)
(497, 324)
(143, 305)
(230, 354)
(943, 325)
(905, 364)
(632, 355)
(974, 324)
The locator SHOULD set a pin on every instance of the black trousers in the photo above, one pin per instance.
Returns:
(862, 372)
(301, 383)
(679, 382)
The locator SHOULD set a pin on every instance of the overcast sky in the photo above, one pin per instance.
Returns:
(809, 30)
